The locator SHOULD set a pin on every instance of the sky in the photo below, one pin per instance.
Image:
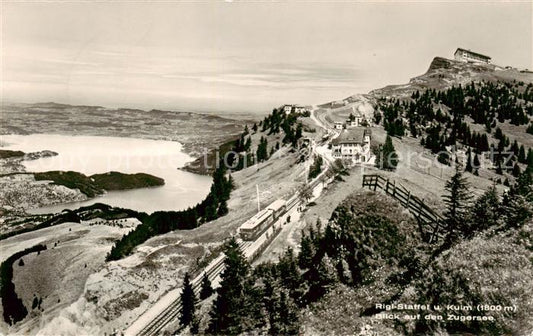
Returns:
(241, 56)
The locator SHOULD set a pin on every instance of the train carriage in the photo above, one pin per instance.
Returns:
(262, 220)
(254, 226)
(277, 207)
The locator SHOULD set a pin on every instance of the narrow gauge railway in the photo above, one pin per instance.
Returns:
(250, 244)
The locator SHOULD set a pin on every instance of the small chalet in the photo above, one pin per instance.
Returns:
(288, 109)
(355, 120)
(299, 109)
(470, 56)
(354, 145)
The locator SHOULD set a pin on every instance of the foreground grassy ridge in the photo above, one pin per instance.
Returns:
(493, 268)
(487, 270)
(6, 154)
(96, 184)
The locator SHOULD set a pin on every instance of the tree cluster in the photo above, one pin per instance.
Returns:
(440, 117)
(288, 123)
(316, 167)
(464, 218)
(274, 123)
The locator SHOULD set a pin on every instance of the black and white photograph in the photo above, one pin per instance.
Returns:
(257, 167)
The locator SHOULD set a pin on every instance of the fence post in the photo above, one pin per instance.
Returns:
(429, 221)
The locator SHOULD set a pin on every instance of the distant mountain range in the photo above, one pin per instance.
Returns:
(195, 131)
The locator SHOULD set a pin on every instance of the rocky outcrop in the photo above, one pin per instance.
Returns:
(441, 74)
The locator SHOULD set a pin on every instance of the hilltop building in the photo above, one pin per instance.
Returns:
(289, 108)
(464, 55)
(353, 145)
(356, 120)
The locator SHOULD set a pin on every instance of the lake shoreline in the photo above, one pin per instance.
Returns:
(159, 162)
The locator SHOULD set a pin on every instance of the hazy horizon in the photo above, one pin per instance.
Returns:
(241, 57)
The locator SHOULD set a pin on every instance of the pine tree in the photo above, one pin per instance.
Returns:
(321, 276)
(211, 208)
(290, 273)
(518, 203)
(248, 144)
(514, 148)
(477, 164)
(230, 307)
(457, 201)
(524, 185)
(389, 158)
(522, 154)
(469, 161)
(484, 143)
(486, 211)
(518, 210)
(516, 170)
(298, 134)
(222, 208)
(283, 316)
(498, 134)
(262, 153)
(188, 301)
(307, 252)
(206, 288)
(254, 127)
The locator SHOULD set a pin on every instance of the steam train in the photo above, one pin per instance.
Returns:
(261, 221)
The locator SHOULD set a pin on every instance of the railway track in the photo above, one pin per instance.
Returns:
(172, 311)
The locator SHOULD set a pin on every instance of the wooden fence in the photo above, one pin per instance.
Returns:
(429, 222)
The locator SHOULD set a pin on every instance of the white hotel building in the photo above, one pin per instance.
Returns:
(353, 145)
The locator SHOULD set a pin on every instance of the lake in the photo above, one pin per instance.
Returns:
(98, 154)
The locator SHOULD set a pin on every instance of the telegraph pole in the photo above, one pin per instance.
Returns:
(258, 203)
